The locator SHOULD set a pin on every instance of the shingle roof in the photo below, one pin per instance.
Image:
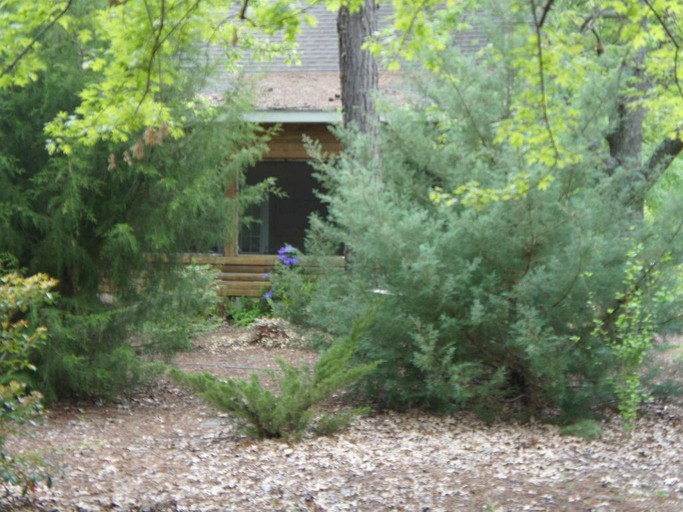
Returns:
(314, 83)
(318, 48)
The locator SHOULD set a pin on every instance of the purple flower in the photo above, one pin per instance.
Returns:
(288, 256)
(285, 249)
(266, 276)
(267, 295)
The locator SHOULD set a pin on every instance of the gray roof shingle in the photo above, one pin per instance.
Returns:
(313, 85)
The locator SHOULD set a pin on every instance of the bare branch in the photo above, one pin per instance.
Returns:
(541, 73)
(662, 156)
(36, 38)
(243, 10)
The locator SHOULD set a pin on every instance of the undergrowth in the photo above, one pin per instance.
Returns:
(288, 412)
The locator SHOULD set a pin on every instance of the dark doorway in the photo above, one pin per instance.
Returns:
(281, 220)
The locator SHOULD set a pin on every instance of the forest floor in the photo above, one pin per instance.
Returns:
(165, 450)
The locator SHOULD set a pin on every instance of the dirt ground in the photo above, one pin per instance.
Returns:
(165, 450)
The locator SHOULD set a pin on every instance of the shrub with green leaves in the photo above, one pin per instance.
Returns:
(20, 298)
(287, 412)
(293, 281)
(243, 311)
(96, 215)
(497, 280)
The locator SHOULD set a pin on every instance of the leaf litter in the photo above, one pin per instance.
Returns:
(165, 450)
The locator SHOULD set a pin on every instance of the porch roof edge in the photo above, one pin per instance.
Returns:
(294, 116)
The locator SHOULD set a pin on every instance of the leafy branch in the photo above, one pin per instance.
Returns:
(10, 67)
(673, 40)
(159, 40)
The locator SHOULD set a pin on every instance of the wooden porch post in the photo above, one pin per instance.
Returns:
(231, 245)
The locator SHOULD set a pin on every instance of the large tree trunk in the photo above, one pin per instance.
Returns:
(358, 67)
(626, 139)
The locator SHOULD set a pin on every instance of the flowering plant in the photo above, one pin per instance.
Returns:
(289, 256)
(291, 285)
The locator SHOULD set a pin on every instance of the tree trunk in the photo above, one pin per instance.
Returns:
(358, 68)
(626, 139)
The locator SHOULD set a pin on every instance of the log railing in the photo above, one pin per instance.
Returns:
(243, 275)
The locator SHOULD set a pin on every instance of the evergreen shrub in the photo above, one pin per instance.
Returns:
(115, 213)
(287, 412)
(497, 281)
(95, 349)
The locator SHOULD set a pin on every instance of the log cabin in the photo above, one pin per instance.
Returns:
(303, 100)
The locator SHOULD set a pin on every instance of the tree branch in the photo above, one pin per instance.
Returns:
(243, 10)
(155, 48)
(538, 25)
(661, 158)
(673, 40)
(35, 39)
(159, 40)
(544, 14)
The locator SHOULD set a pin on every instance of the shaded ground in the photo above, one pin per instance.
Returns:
(165, 450)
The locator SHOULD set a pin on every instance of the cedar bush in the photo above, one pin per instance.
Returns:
(96, 215)
(494, 285)
(94, 349)
(288, 412)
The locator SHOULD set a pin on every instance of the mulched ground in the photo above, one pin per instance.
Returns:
(164, 450)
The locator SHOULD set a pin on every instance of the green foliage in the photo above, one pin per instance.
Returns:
(556, 50)
(20, 298)
(585, 429)
(292, 283)
(243, 311)
(488, 297)
(634, 332)
(134, 53)
(95, 349)
(112, 213)
(288, 412)
(175, 310)
(86, 356)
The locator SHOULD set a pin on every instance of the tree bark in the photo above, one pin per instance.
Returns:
(626, 139)
(358, 68)
(661, 158)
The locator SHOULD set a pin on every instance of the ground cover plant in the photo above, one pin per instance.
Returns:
(290, 410)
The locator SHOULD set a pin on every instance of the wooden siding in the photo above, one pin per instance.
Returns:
(288, 143)
(242, 276)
